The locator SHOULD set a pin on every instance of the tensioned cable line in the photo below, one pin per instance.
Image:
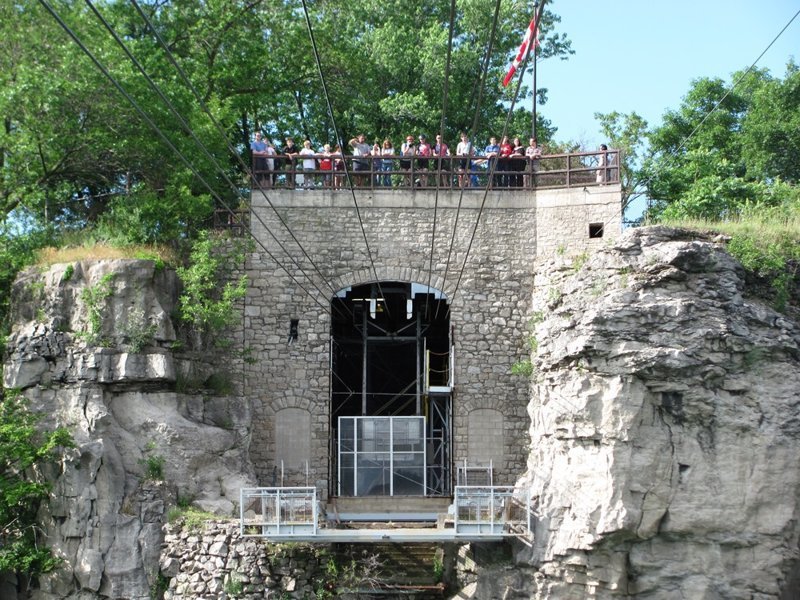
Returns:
(493, 166)
(163, 137)
(441, 137)
(191, 133)
(223, 135)
(341, 146)
(478, 89)
(673, 155)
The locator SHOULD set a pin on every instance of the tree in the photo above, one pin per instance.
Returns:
(771, 129)
(23, 451)
(723, 150)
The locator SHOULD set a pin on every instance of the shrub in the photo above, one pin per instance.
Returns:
(209, 297)
(22, 448)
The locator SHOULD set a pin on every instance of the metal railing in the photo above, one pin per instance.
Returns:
(575, 169)
(478, 512)
(492, 511)
(278, 512)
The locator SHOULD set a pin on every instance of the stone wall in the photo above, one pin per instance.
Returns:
(489, 310)
(213, 561)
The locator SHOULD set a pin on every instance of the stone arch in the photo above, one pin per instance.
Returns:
(388, 273)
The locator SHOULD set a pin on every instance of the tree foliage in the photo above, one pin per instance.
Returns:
(709, 163)
(74, 152)
(209, 294)
(23, 450)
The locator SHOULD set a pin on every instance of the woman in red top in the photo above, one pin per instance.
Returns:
(326, 164)
(424, 150)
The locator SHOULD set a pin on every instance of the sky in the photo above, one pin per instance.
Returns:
(640, 55)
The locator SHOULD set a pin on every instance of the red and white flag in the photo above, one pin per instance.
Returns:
(531, 33)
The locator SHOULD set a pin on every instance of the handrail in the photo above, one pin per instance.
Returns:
(399, 172)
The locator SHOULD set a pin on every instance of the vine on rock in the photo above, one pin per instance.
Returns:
(23, 450)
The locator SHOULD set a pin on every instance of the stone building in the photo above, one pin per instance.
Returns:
(378, 315)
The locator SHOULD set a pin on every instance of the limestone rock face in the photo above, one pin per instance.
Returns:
(665, 429)
(108, 364)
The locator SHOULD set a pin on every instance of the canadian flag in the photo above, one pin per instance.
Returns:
(531, 33)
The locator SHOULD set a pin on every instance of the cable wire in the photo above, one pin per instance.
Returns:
(146, 118)
(493, 163)
(191, 133)
(441, 137)
(337, 135)
(223, 135)
(473, 133)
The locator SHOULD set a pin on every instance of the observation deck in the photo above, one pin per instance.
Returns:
(577, 169)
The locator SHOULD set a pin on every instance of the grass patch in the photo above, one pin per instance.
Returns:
(193, 518)
(162, 255)
(766, 240)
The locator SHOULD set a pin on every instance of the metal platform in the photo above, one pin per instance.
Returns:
(477, 513)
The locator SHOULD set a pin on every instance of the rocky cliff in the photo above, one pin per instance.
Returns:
(94, 347)
(665, 430)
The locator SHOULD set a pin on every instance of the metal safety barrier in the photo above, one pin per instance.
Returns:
(478, 513)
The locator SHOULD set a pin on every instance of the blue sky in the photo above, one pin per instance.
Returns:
(639, 55)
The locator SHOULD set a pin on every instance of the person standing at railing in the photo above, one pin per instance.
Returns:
(491, 152)
(407, 149)
(442, 152)
(326, 165)
(386, 163)
(503, 162)
(271, 177)
(309, 165)
(602, 164)
(424, 150)
(464, 148)
(338, 167)
(517, 163)
(361, 165)
(259, 150)
(291, 151)
(533, 154)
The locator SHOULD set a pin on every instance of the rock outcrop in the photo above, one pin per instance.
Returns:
(94, 347)
(665, 430)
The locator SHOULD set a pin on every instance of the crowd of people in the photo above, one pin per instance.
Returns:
(417, 162)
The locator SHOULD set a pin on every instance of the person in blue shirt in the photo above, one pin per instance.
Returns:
(259, 149)
(491, 152)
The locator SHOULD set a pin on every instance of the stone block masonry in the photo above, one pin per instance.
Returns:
(213, 561)
(489, 302)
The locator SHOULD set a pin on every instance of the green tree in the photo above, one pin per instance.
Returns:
(24, 449)
(723, 150)
(771, 129)
(209, 295)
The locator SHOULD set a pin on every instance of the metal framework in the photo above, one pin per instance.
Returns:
(478, 513)
(383, 456)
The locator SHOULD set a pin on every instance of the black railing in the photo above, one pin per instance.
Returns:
(446, 173)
